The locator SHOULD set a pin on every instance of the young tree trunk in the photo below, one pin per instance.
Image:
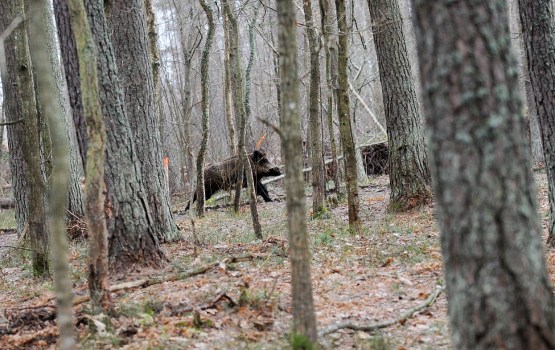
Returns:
(127, 19)
(409, 175)
(539, 40)
(227, 89)
(318, 189)
(95, 186)
(68, 49)
(344, 111)
(19, 91)
(245, 120)
(331, 68)
(133, 235)
(49, 96)
(497, 284)
(237, 89)
(304, 319)
(205, 102)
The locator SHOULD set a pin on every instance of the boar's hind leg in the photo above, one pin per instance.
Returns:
(262, 191)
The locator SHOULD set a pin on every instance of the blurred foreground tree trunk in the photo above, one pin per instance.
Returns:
(48, 94)
(497, 283)
(96, 153)
(304, 335)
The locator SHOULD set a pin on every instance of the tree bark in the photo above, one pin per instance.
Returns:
(304, 319)
(330, 46)
(75, 206)
(318, 188)
(409, 176)
(68, 50)
(133, 234)
(344, 111)
(539, 40)
(49, 95)
(205, 107)
(19, 90)
(257, 227)
(497, 284)
(127, 22)
(227, 89)
(96, 149)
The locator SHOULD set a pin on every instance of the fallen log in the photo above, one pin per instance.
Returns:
(7, 203)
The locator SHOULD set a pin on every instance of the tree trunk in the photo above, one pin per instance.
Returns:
(314, 121)
(238, 92)
(75, 206)
(96, 221)
(539, 41)
(68, 49)
(133, 234)
(19, 91)
(304, 332)
(245, 119)
(127, 19)
(344, 111)
(497, 284)
(409, 176)
(531, 112)
(205, 107)
(227, 89)
(49, 95)
(330, 46)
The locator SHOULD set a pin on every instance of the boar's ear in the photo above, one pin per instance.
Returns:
(258, 154)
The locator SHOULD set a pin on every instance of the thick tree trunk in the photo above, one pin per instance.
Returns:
(133, 234)
(539, 41)
(304, 319)
(68, 49)
(127, 19)
(19, 91)
(75, 206)
(409, 175)
(318, 189)
(344, 111)
(49, 95)
(497, 284)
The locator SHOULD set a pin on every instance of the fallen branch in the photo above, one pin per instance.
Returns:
(146, 282)
(374, 326)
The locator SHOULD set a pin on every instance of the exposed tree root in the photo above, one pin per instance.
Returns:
(374, 326)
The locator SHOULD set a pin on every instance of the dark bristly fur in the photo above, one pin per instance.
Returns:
(223, 175)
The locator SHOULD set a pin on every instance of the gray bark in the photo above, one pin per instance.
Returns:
(409, 176)
(304, 319)
(128, 28)
(497, 284)
(49, 95)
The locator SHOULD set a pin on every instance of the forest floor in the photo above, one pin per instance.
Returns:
(391, 266)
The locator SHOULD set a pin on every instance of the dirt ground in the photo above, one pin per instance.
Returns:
(391, 266)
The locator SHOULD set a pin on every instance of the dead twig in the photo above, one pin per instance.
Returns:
(220, 296)
(13, 122)
(374, 326)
